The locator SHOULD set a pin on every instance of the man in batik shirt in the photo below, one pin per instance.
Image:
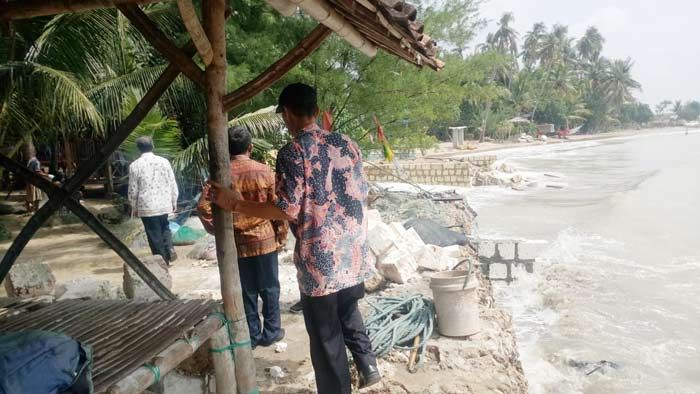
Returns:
(322, 192)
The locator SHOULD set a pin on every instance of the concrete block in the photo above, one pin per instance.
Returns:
(498, 271)
(90, 288)
(30, 279)
(507, 250)
(397, 266)
(530, 250)
(487, 249)
(381, 239)
(398, 229)
(374, 217)
(432, 258)
(135, 288)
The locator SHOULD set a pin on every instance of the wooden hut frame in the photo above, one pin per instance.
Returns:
(385, 24)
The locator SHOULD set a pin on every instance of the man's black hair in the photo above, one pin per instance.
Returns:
(299, 98)
(144, 144)
(239, 140)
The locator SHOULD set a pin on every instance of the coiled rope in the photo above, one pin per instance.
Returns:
(395, 322)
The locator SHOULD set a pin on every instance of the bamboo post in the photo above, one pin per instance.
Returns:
(224, 364)
(214, 25)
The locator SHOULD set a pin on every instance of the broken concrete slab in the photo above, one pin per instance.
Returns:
(373, 218)
(30, 279)
(86, 288)
(398, 266)
(431, 258)
(381, 239)
(136, 289)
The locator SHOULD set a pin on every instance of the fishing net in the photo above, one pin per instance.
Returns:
(186, 235)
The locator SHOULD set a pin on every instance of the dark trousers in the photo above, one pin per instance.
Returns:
(260, 278)
(334, 322)
(159, 238)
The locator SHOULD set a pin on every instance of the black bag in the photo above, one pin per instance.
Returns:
(42, 362)
(433, 233)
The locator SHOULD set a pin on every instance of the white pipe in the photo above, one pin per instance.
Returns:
(322, 12)
(284, 7)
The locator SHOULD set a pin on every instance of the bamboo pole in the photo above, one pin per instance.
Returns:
(214, 26)
(24, 9)
(143, 378)
(224, 364)
(91, 221)
(277, 70)
(194, 27)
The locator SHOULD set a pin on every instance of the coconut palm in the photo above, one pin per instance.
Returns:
(590, 46)
(619, 84)
(505, 39)
(532, 45)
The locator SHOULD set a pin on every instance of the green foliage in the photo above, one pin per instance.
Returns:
(637, 113)
(690, 111)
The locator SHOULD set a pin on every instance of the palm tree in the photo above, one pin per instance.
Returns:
(619, 84)
(532, 45)
(505, 39)
(590, 45)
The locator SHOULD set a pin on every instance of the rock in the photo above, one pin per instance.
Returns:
(136, 289)
(381, 239)
(204, 249)
(398, 266)
(281, 347)
(30, 279)
(276, 372)
(90, 288)
(375, 282)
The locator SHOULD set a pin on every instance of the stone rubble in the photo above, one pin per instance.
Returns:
(30, 279)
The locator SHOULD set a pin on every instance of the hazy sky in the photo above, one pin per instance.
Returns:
(661, 36)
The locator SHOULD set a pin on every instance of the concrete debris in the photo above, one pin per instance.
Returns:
(373, 218)
(30, 279)
(136, 289)
(86, 288)
(204, 249)
(398, 266)
(276, 372)
(281, 347)
(381, 239)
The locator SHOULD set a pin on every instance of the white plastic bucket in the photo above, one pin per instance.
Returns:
(457, 307)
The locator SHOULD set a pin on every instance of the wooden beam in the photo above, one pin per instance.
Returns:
(219, 164)
(24, 9)
(143, 378)
(91, 221)
(276, 71)
(194, 27)
(93, 164)
(161, 43)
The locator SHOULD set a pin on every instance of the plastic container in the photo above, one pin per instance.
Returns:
(457, 307)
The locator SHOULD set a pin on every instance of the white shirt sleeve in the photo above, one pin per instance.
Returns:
(173, 186)
(133, 186)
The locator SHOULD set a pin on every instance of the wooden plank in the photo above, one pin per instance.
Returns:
(276, 71)
(23, 9)
(219, 163)
(162, 44)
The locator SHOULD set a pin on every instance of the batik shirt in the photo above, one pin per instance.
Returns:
(320, 185)
(254, 236)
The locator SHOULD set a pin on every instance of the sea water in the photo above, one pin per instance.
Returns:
(619, 281)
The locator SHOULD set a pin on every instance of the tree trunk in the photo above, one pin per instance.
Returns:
(214, 25)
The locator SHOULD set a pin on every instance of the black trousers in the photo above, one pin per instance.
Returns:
(159, 238)
(260, 278)
(334, 322)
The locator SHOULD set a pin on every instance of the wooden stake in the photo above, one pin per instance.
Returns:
(219, 162)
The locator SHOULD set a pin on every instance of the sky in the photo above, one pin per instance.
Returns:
(661, 36)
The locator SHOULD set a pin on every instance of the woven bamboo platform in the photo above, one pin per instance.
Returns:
(124, 335)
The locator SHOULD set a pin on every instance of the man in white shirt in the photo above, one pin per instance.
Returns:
(153, 196)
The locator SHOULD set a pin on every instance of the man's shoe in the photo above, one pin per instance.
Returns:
(296, 308)
(369, 377)
(280, 337)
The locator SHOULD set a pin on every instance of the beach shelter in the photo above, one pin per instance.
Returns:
(134, 362)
